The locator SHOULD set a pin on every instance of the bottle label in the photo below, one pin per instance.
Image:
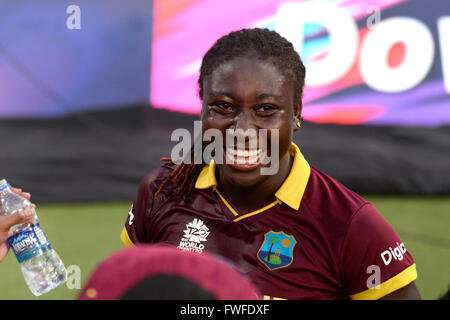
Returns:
(29, 242)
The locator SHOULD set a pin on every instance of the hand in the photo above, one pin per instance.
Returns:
(6, 222)
(19, 191)
(26, 195)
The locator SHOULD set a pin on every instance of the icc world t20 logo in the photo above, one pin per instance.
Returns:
(195, 233)
(277, 250)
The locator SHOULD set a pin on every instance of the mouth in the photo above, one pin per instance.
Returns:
(243, 159)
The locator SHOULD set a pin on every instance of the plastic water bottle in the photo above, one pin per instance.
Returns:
(41, 266)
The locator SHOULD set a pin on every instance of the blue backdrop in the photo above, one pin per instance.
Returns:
(48, 70)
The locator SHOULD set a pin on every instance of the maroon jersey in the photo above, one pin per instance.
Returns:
(316, 240)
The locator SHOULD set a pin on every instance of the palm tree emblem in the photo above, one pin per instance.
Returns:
(277, 250)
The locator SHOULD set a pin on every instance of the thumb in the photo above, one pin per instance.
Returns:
(22, 216)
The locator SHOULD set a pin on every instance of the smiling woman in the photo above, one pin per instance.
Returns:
(297, 233)
(249, 85)
(249, 80)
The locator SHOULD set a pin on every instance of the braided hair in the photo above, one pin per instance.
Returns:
(263, 44)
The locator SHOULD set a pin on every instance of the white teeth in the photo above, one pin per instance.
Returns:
(243, 152)
(254, 152)
(242, 156)
(253, 160)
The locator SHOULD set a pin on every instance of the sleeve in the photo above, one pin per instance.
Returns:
(374, 260)
(138, 219)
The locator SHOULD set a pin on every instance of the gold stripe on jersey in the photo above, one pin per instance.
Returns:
(257, 211)
(291, 191)
(125, 238)
(272, 298)
(393, 284)
(226, 203)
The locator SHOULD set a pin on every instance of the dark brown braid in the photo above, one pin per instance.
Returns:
(267, 45)
(182, 178)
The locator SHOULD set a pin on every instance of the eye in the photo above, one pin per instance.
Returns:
(266, 109)
(222, 107)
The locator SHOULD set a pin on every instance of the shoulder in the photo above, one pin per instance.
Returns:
(153, 179)
(334, 209)
(326, 196)
(145, 199)
(149, 185)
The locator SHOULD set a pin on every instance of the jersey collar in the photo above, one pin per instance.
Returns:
(291, 191)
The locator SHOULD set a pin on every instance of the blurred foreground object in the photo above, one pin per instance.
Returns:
(154, 272)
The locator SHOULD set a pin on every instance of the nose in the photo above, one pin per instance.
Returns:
(244, 129)
(243, 121)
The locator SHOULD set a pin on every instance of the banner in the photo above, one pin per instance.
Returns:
(377, 62)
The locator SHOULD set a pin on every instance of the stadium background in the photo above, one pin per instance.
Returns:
(86, 113)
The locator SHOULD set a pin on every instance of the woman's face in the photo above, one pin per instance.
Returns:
(249, 93)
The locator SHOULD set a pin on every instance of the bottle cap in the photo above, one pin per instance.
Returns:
(3, 184)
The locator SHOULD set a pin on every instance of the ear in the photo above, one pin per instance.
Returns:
(297, 116)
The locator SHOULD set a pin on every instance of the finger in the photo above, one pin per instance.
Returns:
(29, 214)
(19, 191)
(26, 195)
(22, 216)
(16, 190)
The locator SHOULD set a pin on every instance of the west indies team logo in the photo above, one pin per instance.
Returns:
(277, 250)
